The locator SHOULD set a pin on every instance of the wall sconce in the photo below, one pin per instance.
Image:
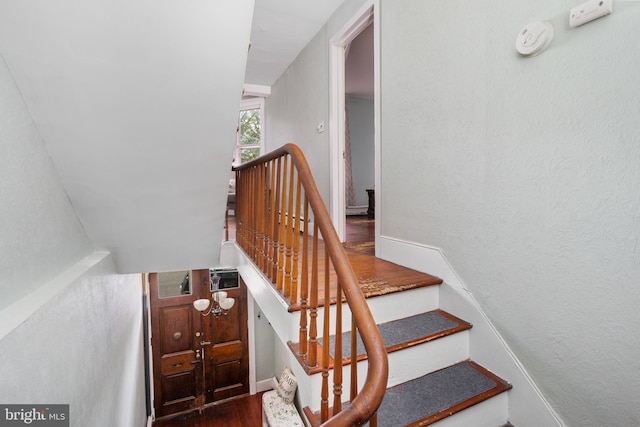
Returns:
(219, 303)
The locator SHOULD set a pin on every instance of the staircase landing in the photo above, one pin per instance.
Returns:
(376, 276)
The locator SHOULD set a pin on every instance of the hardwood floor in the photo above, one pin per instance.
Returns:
(360, 231)
(376, 276)
(242, 412)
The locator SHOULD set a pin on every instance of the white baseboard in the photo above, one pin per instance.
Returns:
(527, 406)
(264, 385)
(357, 210)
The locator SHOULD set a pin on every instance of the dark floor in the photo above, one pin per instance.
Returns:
(242, 412)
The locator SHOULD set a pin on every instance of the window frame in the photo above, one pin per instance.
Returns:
(245, 105)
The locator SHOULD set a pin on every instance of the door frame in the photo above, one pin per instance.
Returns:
(337, 125)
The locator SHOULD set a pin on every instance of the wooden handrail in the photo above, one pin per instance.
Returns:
(277, 206)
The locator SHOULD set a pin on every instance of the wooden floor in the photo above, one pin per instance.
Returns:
(242, 412)
(375, 276)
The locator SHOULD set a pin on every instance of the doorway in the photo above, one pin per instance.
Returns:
(197, 360)
(358, 37)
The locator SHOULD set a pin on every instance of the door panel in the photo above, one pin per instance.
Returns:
(197, 359)
(179, 390)
(177, 364)
(177, 325)
(227, 357)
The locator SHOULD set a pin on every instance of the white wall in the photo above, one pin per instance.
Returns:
(362, 147)
(265, 340)
(137, 103)
(39, 232)
(83, 348)
(70, 328)
(526, 172)
(299, 100)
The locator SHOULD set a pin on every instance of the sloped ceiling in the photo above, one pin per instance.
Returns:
(137, 104)
(280, 30)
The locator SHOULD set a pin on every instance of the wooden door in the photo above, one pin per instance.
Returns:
(196, 359)
(226, 352)
(177, 363)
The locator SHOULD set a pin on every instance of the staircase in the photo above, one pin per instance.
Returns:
(431, 379)
(309, 286)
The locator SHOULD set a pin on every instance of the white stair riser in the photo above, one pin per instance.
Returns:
(489, 413)
(384, 309)
(399, 305)
(414, 362)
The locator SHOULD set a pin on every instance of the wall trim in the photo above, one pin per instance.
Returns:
(264, 385)
(527, 404)
(18, 312)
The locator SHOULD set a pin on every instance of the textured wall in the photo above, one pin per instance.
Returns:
(299, 100)
(526, 172)
(40, 235)
(83, 343)
(83, 348)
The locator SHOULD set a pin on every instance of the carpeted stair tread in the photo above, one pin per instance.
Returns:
(433, 395)
(406, 332)
(437, 395)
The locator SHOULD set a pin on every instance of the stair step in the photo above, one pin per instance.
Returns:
(407, 332)
(435, 396)
(398, 335)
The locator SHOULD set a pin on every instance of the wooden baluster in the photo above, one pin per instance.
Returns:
(353, 387)
(247, 230)
(241, 195)
(304, 289)
(245, 219)
(267, 218)
(282, 225)
(252, 221)
(254, 211)
(326, 330)
(337, 357)
(291, 220)
(262, 217)
(296, 246)
(238, 214)
(254, 216)
(276, 218)
(313, 303)
(271, 222)
(373, 422)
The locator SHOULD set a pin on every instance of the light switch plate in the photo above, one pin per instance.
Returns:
(587, 12)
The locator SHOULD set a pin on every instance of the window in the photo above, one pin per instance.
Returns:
(250, 135)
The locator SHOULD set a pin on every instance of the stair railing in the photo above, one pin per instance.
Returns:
(284, 227)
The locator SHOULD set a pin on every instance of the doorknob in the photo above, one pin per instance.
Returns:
(198, 354)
